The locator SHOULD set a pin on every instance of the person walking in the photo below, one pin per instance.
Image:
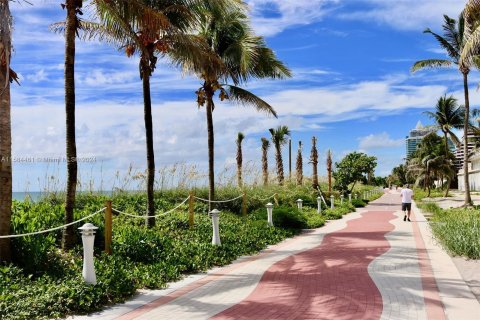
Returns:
(407, 196)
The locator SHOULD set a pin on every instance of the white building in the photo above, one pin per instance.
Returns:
(473, 173)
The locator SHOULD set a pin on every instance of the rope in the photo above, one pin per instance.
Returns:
(221, 201)
(155, 216)
(52, 229)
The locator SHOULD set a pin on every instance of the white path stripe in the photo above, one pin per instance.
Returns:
(397, 275)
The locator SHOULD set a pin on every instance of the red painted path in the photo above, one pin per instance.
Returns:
(330, 281)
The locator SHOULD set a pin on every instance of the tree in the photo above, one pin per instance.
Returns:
(279, 138)
(399, 175)
(6, 77)
(314, 162)
(429, 169)
(240, 138)
(329, 170)
(448, 115)
(453, 41)
(352, 168)
(299, 164)
(149, 28)
(238, 56)
(265, 146)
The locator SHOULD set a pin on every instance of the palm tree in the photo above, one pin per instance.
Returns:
(6, 77)
(329, 170)
(448, 115)
(240, 138)
(431, 168)
(240, 56)
(314, 162)
(279, 138)
(299, 164)
(265, 146)
(453, 41)
(148, 29)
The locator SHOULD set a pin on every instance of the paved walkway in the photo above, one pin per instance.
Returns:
(368, 265)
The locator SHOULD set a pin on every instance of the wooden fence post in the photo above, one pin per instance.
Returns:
(190, 209)
(108, 227)
(244, 204)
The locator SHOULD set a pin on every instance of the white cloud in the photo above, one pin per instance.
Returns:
(407, 14)
(378, 141)
(38, 76)
(271, 17)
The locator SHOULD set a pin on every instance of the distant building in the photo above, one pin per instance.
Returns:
(416, 135)
(473, 141)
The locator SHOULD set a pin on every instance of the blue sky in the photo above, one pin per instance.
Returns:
(351, 88)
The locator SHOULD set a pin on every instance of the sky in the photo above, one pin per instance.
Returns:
(351, 88)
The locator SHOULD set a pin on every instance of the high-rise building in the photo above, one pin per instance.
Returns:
(473, 141)
(416, 135)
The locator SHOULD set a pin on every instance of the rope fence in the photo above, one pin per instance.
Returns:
(155, 216)
(218, 201)
(52, 229)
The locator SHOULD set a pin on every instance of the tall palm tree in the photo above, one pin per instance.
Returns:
(299, 164)
(265, 146)
(6, 77)
(279, 138)
(314, 162)
(329, 170)
(148, 28)
(448, 115)
(240, 56)
(453, 41)
(239, 140)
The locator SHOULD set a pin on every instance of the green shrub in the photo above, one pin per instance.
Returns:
(359, 203)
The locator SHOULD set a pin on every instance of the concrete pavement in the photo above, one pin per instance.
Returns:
(369, 265)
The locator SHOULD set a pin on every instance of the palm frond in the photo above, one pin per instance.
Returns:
(431, 63)
(452, 52)
(244, 97)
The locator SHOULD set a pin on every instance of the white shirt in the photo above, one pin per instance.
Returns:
(407, 195)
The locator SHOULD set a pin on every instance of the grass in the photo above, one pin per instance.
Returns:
(458, 229)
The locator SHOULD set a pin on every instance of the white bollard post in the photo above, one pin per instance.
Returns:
(88, 237)
(341, 199)
(319, 205)
(299, 204)
(269, 214)
(349, 197)
(215, 214)
(332, 202)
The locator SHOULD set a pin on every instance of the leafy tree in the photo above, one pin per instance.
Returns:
(455, 35)
(352, 168)
(448, 115)
(399, 175)
(238, 55)
(279, 138)
(299, 164)
(429, 169)
(239, 140)
(314, 162)
(265, 146)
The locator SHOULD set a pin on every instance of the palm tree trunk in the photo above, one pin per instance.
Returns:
(299, 165)
(68, 240)
(239, 163)
(314, 160)
(147, 102)
(278, 158)
(211, 152)
(446, 143)
(466, 180)
(5, 140)
(265, 165)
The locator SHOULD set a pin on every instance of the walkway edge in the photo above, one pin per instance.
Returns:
(459, 302)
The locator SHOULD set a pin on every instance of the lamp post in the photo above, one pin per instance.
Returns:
(88, 237)
(299, 204)
(215, 214)
(269, 214)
